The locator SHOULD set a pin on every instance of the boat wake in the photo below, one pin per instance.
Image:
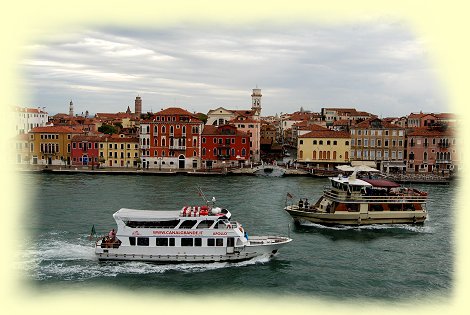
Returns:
(58, 259)
(372, 227)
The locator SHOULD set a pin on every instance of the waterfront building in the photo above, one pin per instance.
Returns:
(324, 148)
(22, 149)
(330, 115)
(85, 150)
(119, 151)
(171, 140)
(432, 149)
(224, 146)
(28, 118)
(245, 120)
(379, 144)
(51, 145)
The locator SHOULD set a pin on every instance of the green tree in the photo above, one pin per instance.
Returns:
(107, 129)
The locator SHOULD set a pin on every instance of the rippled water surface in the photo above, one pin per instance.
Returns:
(378, 262)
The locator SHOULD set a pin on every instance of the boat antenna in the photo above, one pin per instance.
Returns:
(201, 194)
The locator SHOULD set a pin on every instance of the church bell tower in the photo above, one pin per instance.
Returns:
(256, 100)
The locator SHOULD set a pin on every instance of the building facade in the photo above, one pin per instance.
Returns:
(29, 118)
(224, 146)
(171, 140)
(431, 150)
(85, 150)
(51, 145)
(119, 151)
(379, 143)
(324, 148)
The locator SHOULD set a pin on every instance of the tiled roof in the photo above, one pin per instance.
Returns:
(117, 138)
(326, 134)
(87, 138)
(210, 130)
(239, 120)
(29, 110)
(56, 129)
(430, 132)
(367, 124)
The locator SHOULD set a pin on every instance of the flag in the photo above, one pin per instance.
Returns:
(92, 233)
(289, 195)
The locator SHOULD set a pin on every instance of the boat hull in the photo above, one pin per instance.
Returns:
(256, 246)
(357, 218)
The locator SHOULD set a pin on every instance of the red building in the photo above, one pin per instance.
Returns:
(85, 150)
(171, 140)
(432, 150)
(224, 146)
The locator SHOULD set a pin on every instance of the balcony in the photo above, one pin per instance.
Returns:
(177, 147)
(223, 157)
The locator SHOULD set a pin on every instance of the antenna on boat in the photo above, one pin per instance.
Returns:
(201, 194)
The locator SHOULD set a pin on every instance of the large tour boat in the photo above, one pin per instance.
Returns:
(356, 200)
(192, 234)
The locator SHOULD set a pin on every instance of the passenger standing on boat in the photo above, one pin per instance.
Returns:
(112, 235)
(306, 203)
(301, 203)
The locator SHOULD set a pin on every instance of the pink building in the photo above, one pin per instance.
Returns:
(432, 150)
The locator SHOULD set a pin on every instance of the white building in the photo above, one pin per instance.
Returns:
(29, 118)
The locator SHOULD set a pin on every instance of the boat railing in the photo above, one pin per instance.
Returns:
(389, 198)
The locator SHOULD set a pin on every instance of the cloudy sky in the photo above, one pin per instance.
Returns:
(380, 67)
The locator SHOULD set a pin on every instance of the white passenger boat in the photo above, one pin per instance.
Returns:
(193, 234)
(351, 200)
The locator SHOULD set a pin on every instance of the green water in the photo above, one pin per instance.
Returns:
(396, 262)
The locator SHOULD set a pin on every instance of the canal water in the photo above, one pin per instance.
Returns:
(384, 263)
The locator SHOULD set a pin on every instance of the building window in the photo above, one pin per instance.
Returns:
(301, 141)
(314, 141)
(335, 142)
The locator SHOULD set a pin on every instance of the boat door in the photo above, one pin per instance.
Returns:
(230, 245)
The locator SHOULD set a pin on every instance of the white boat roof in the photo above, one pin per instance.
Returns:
(361, 168)
(350, 181)
(125, 214)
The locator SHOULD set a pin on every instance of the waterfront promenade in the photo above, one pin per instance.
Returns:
(266, 170)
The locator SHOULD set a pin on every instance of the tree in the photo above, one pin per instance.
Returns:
(202, 117)
(107, 129)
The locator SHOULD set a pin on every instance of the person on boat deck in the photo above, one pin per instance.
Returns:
(301, 203)
(306, 203)
(112, 235)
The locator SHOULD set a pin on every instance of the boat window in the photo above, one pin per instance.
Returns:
(219, 242)
(142, 241)
(132, 241)
(187, 224)
(186, 241)
(210, 242)
(198, 241)
(205, 224)
(161, 241)
(172, 241)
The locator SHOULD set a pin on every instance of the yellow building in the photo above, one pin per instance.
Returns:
(324, 148)
(119, 151)
(51, 145)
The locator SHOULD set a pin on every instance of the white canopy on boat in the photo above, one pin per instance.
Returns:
(360, 168)
(350, 181)
(125, 214)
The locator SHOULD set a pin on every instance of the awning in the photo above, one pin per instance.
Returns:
(381, 183)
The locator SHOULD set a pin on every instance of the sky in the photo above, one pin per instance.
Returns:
(380, 67)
